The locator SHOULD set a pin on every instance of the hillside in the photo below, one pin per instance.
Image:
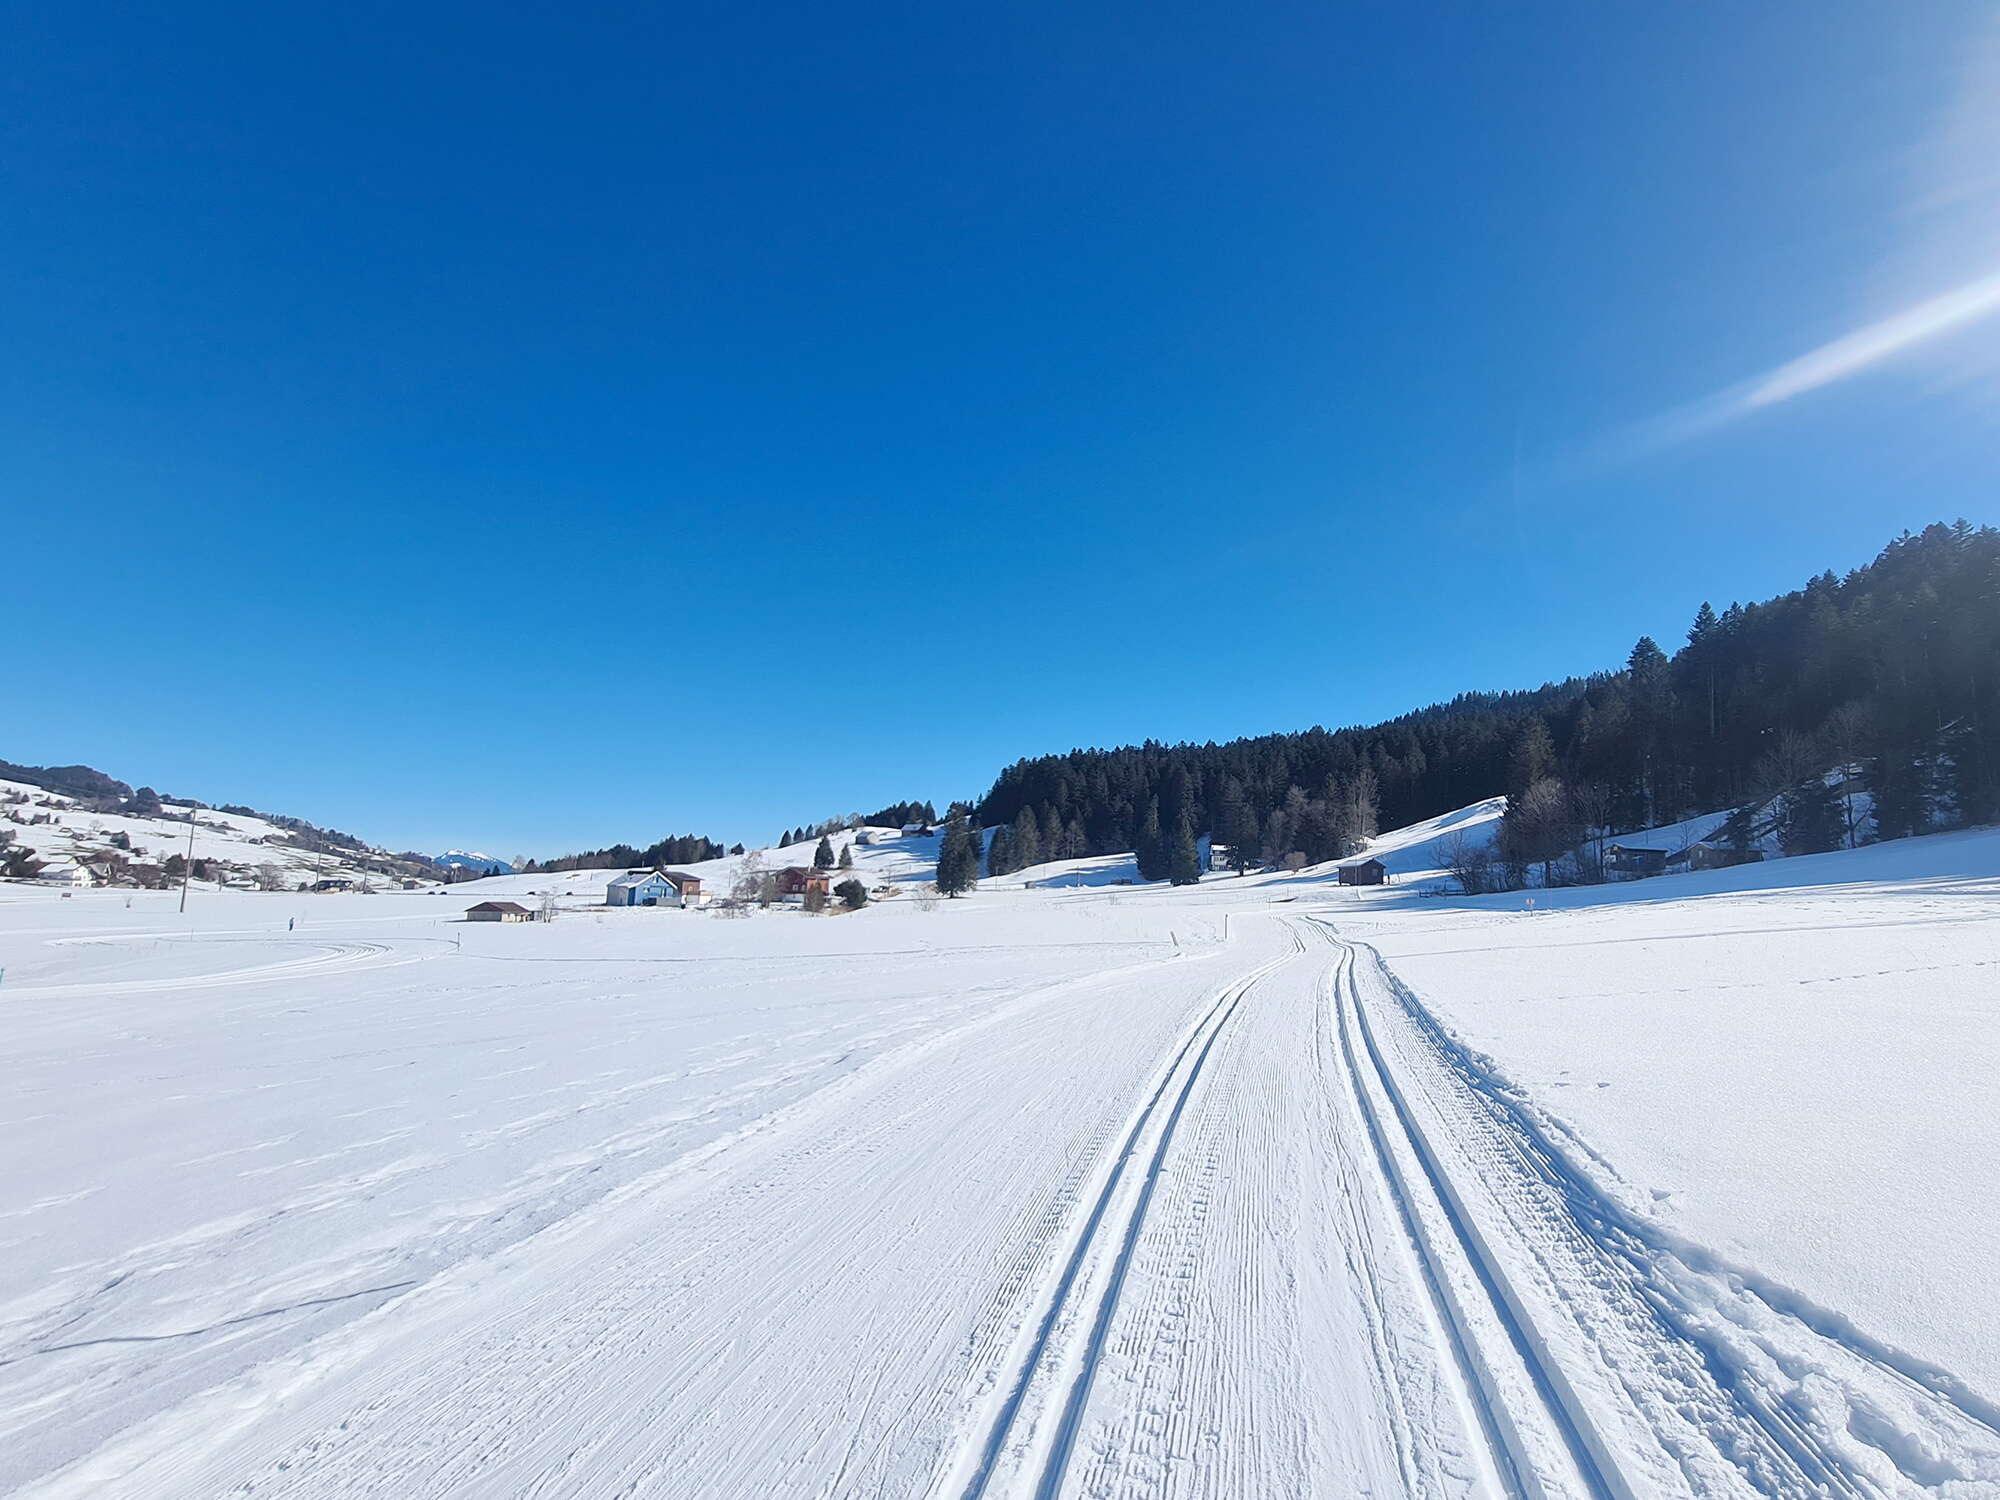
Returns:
(61, 829)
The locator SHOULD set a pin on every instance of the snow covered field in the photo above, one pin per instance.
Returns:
(1685, 1187)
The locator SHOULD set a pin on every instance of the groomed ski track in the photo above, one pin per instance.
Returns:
(1243, 1223)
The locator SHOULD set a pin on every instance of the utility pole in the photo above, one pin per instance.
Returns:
(188, 873)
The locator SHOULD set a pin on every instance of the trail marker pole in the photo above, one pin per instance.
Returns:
(188, 873)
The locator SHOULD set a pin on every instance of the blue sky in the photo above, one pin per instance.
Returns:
(488, 426)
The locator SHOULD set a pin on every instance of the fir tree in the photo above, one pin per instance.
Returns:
(847, 856)
(1148, 846)
(1028, 839)
(958, 859)
(1000, 854)
(823, 855)
(1811, 822)
(1533, 757)
(1184, 860)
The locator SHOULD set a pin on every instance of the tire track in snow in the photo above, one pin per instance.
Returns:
(1076, 1313)
(330, 957)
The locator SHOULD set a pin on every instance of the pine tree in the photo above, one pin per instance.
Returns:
(1811, 822)
(1148, 846)
(1236, 826)
(823, 855)
(847, 856)
(1001, 858)
(1533, 757)
(1027, 839)
(958, 859)
(1184, 860)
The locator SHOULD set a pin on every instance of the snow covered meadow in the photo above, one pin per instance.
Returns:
(1260, 1187)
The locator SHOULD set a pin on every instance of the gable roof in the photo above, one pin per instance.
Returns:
(637, 878)
(499, 906)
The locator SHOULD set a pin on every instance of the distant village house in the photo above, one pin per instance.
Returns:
(1364, 872)
(797, 880)
(654, 888)
(498, 911)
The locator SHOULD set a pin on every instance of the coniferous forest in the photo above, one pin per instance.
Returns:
(1893, 670)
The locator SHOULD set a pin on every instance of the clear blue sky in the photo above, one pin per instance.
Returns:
(523, 428)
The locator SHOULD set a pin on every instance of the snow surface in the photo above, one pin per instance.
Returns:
(1261, 1187)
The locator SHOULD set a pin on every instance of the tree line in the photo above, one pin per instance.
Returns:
(676, 849)
(1892, 670)
(895, 815)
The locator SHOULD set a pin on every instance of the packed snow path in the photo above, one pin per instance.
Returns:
(1238, 1219)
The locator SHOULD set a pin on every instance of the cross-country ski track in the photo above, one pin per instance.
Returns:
(1238, 1220)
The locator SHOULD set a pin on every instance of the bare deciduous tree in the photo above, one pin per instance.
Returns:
(1470, 862)
(747, 887)
(1792, 758)
(1846, 731)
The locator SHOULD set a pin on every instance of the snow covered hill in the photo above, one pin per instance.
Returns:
(62, 831)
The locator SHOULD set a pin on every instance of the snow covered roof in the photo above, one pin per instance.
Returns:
(636, 878)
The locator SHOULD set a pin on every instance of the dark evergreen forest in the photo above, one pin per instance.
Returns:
(1893, 670)
(675, 849)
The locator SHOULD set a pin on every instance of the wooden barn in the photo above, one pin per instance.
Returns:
(1705, 856)
(1632, 859)
(1364, 872)
(499, 911)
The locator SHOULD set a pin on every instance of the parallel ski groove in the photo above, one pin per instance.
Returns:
(1200, 1042)
(1583, 1444)
(1642, 1358)
(1496, 1427)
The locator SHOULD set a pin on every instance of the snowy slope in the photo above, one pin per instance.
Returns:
(81, 835)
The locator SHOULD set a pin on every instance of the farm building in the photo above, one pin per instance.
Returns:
(797, 880)
(498, 911)
(1707, 856)
(1631, 859)
(654, 888)
(333, 885)
(1364, 872)
(68, 873)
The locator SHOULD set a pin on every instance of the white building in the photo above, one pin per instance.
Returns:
(66, 873)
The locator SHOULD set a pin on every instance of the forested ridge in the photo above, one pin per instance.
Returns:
(1893, 669)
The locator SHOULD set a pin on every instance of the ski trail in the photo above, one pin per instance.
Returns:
(1662, 1371)
(1273, 1335)
(1067, 1342)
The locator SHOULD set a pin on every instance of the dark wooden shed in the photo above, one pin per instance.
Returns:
(1632, 859)
(498, 911)
(1364, 872)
